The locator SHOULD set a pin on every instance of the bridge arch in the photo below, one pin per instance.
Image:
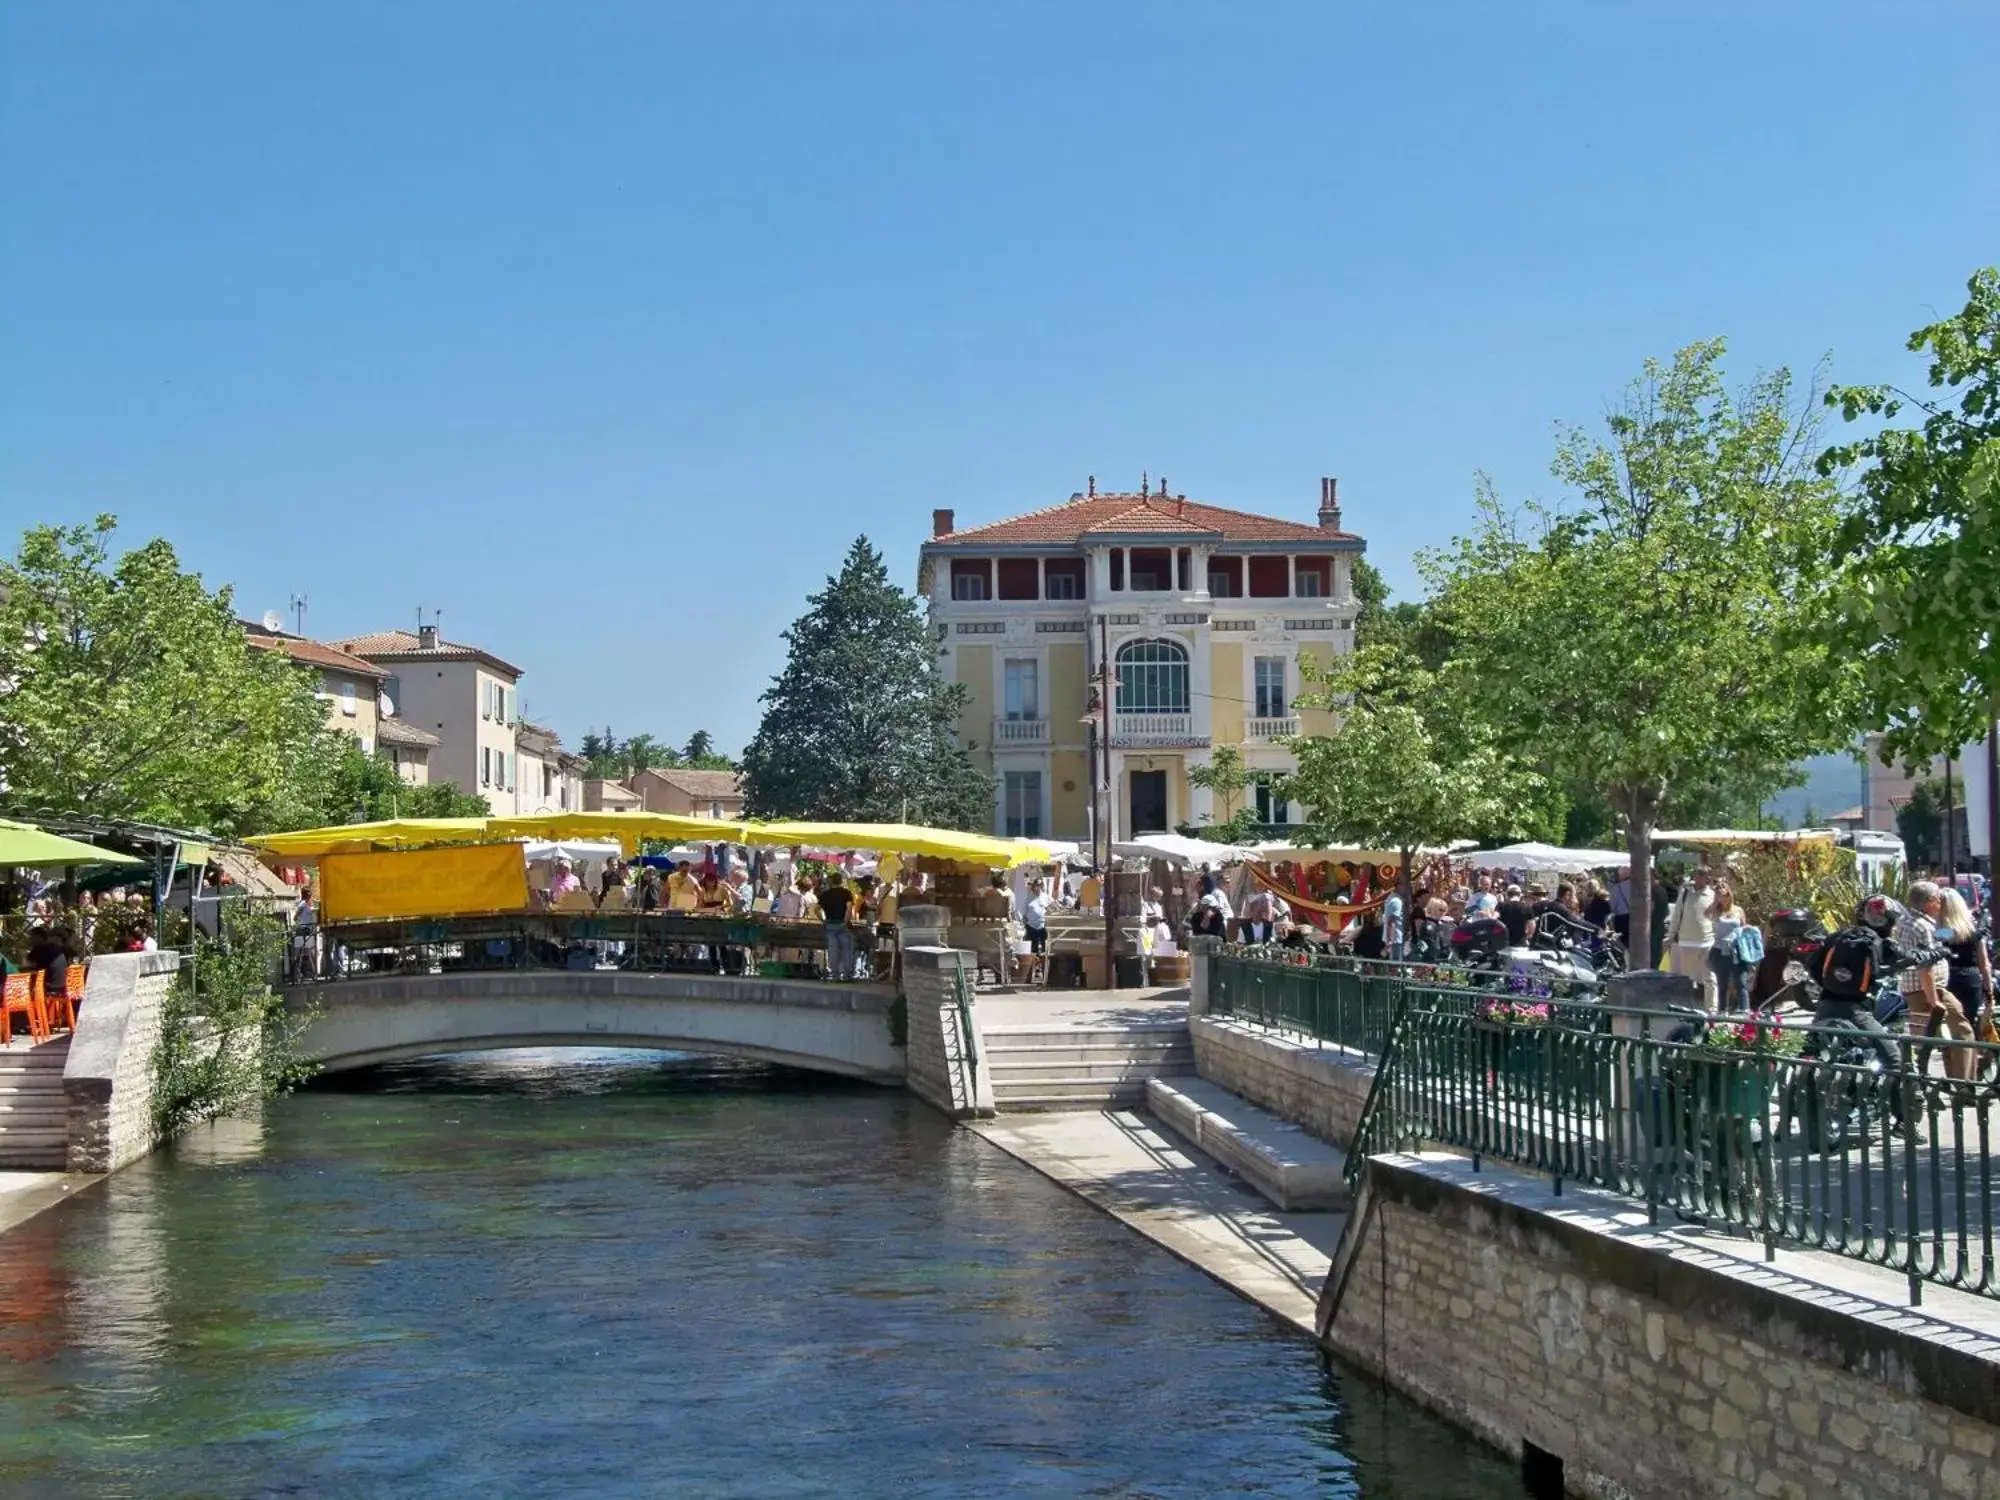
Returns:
(839, 1029)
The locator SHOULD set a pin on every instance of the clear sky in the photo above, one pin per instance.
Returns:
(606, 327)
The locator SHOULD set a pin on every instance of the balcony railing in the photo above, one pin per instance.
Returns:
(1020, 731)
(1271, 729)
(1153, 729)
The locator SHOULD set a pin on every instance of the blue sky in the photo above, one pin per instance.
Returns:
(606, 327)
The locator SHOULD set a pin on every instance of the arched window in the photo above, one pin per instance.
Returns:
(1152, 678)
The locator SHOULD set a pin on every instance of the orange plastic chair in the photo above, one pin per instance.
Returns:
(23, 996)
(61, 1008)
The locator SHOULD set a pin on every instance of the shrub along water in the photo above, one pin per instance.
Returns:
(226, 1036)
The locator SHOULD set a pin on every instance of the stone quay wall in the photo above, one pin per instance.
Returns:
(1322, 1089)
(108, 1077)
(1651, 1367)
(937, 1068)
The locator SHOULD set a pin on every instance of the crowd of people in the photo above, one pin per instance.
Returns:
(858, 912)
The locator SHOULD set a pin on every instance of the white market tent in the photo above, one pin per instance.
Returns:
(1180, 850)
(587, 858)
(1532, 856)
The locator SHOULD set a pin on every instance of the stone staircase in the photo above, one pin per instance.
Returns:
(1081, 1066)
(34, 1115)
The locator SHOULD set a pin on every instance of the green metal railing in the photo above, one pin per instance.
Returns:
(1340, 1006)
(1888, 1166)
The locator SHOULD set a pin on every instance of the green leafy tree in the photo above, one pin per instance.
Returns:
(130, 691)
(1226, 778)
(859, 724)
(1406, 625)
(601, 750)
(642, 752)
(1410, 764)
(1922, 607)
(332, 780)
(700, 754)
(1663, 639)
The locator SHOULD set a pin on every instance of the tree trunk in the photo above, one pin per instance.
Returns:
(1639, 851)
(1403, 887)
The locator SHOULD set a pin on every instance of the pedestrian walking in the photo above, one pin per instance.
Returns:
(1727, 963)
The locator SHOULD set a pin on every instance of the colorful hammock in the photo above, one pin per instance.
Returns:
(1337, 914)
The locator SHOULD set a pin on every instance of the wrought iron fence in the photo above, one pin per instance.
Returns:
(1880, 1151)
(1341, 1004)
(1879, 1157)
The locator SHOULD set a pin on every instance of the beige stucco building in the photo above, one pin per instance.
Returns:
(548, 778)
(1203, 613)
(467, 697)
(347, 684)
(601, 795)
(690, 794)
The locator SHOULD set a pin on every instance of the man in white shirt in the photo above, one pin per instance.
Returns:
(1035, 921)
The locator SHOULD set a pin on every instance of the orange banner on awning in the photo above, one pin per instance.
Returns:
(448, 882)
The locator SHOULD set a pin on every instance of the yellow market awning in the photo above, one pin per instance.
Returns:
(903, 838)
(349, 838)
(25, 844)
(628, 828)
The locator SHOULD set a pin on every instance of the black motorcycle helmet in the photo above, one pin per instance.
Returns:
(1789, 926)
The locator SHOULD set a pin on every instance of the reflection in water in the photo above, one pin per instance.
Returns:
(613, 1273)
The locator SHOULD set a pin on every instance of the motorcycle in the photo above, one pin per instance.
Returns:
(1555, 958)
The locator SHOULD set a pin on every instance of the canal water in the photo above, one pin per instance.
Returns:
(629, 1274)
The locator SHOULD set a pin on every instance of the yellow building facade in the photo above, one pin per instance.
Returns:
(1108, 645)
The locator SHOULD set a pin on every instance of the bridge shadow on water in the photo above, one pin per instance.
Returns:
(559, 1072)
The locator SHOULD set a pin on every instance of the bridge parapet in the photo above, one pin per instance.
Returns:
(378, 1018)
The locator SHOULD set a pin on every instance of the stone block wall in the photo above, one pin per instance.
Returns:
(108, 1077)
(1647, 1369)
(1321, 1089)
(937, 1067)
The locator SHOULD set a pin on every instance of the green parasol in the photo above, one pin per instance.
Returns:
(25, 844)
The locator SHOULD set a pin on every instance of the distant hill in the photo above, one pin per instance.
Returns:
(1832, 784)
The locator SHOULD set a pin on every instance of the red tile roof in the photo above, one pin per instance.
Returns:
(310, 653)
(1126, 514)
(707, 784)
(402, 645)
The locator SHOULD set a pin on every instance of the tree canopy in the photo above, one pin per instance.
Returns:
(860, 725)
(1922, 604)
(613, 759)
(1662, 637)
(1411, 763)
(129, 690)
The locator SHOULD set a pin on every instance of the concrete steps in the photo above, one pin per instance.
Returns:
(1082, 1067)
(1294, 1170)
(34, 1112)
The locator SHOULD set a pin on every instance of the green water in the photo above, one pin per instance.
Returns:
(627, 1274)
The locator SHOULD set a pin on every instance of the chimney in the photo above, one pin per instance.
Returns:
(427, 637)
(1329, 504)
(1092, 491)
(941, 523)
